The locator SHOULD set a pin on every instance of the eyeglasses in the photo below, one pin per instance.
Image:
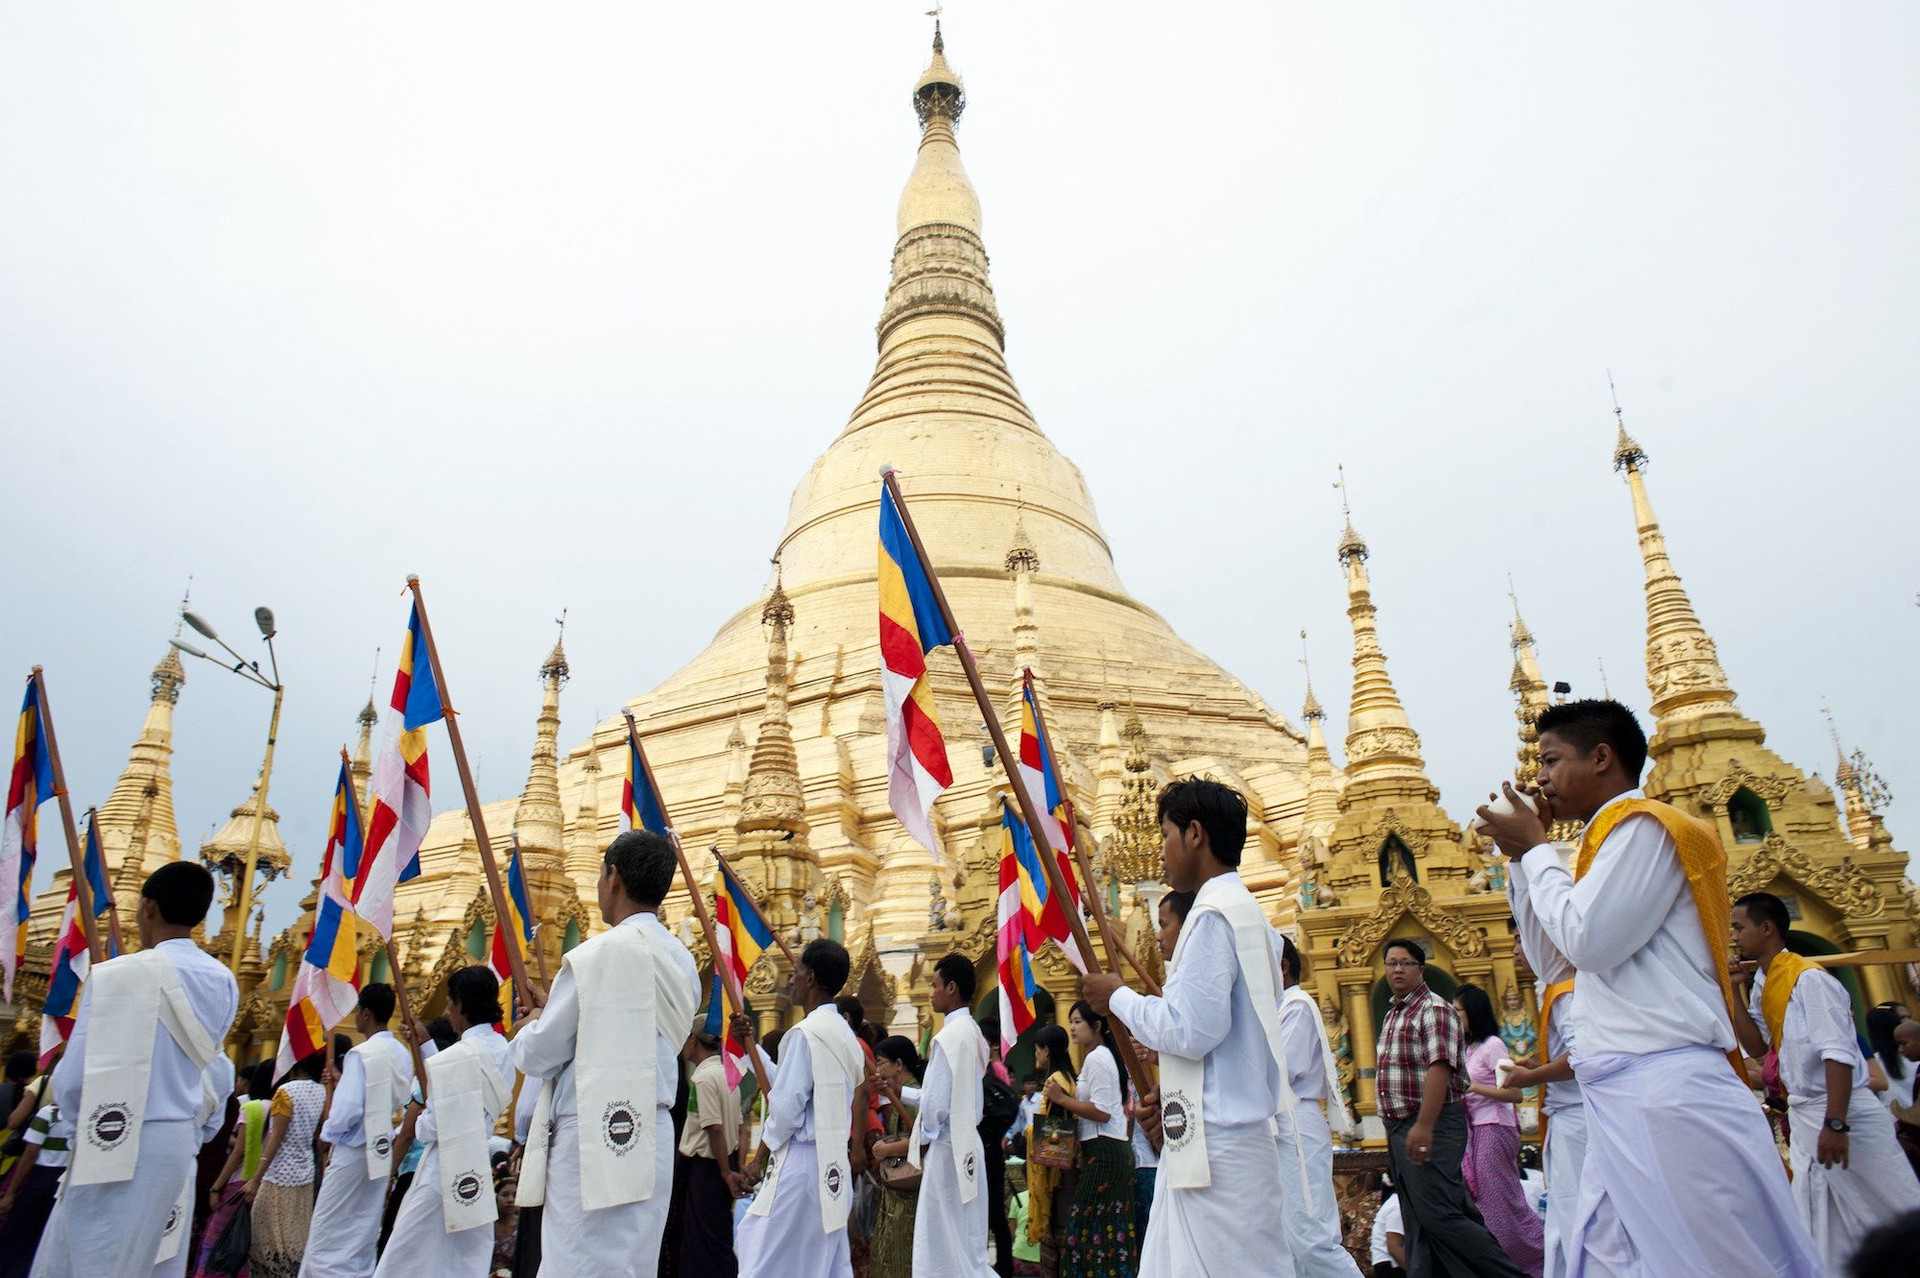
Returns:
(1403, 963)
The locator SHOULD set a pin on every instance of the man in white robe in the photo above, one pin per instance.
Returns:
(1849, 1173)
(804, 1167)
(343, 1239)
(111, 1218)
(1305, 1133)
(1222, 1066)
(1681, 1176)
(950, 1222)
(1562, 1108)
(445, 1223)
(631, 983)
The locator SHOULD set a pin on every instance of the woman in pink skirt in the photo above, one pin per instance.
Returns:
(1492, 1166)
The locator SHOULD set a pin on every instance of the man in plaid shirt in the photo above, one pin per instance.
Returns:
(1418, 1084)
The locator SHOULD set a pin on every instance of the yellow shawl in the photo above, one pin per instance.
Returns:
(1783, 973)
(1040, 1179)
(1547, 999)
(1705, 863)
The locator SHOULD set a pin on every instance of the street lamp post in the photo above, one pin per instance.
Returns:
(250, 670)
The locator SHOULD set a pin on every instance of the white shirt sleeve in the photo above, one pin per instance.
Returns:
(345, 1115)
(1611, 913)
(1826, 1018)
(545, 1046)
(936, 1096)
(220, 1078)
(1196, 1011)
(792, 1096)
(1543, 956)
(1301, 1041)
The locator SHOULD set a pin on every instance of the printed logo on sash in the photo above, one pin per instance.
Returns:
(467, 1187)
(1176, 1120)
(619, 1126)
(834, 1183)
(967, 1168)
(173, 1221)
(109, 1124)
(383, 1145)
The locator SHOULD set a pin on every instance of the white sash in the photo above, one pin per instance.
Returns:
(1183, 1155)
(532, 1191)
(175, 1231)
(128, 994)
(838, 1067)
(385, 1068)
(465, 1088)
(1338, 1119)
(966, 1052)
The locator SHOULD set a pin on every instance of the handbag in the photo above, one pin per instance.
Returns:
(235, 1243)
(1056, 1141)
(897, 1174)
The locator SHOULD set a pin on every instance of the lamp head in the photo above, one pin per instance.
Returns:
(187, 648)
(263, 618)
(199, 623)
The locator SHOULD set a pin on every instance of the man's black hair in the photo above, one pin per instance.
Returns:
(1887, 1251)
(1289, 960)
(1181, 903)
(377, 1001)
(440, 1030)
(1220, 810)
(645, 862)
(852, 1011)
(1585, 724)
(1765, 907)
(341, 1046)
(1410, 946)
(828, 962)
(957, 970)
(476, 992)
(21, 1065)
(181, 890)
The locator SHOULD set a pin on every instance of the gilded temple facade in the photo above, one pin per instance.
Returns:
(769, 745)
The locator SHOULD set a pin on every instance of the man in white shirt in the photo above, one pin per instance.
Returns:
(1222, 1066)
(346, 1213)
(445, 1222)
(1849, 1174)
(1681, 1176)
(950, 1223)
(1387, 1244)
(705, 1161)
(120, 1225)
(1305, 1136)
(803, 1171)
(607, 1097)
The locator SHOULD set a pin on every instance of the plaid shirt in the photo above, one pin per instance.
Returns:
(1420, 1029)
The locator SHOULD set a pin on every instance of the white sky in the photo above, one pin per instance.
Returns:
(553, 304)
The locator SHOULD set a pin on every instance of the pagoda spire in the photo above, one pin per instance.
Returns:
(136, 823)
(1683, 666)
(1323, 784)
(583, 840)
(538, 819)
(1529, 688)
(772, 798)
(1381, 742)
(361, 769)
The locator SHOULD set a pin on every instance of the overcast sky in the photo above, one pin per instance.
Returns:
(553, 305)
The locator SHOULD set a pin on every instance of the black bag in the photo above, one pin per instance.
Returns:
(999, 1106)
(235, 1244)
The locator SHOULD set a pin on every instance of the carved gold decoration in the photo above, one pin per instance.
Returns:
(1773, 789)
(1402, 897)
(1842, 886)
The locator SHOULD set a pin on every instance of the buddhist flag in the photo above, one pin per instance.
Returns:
(1015, 960)
(326, 987)
(401, 792)
(637, 798)
(910, 627)
(517, 926)
(739, 928)
(28, 786)
(71, 959)
(1041, 780)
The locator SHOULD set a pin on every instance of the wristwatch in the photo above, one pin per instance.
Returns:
(1838, 1125)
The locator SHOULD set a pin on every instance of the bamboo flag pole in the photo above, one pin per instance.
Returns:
(393, 960)
(728, 981)
(1141, 1082)
(1115, 949)
(474, 813)
(114, 934)
(83, 890)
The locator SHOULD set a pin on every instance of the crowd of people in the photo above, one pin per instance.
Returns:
(1188, 1132)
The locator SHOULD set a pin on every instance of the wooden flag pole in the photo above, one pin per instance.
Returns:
(393, 960)
(1866, 958)
(1115, 950)
(114, 934)
(494, 885)
(1133, 960)
(83, 891)
(728, 982)
(1141, 1082)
